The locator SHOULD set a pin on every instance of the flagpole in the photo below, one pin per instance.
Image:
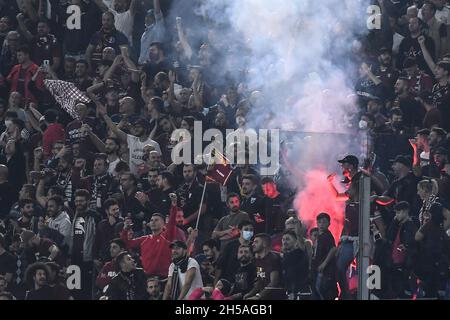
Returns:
(201, 201)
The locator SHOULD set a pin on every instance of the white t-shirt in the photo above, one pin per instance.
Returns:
(112, 167)
(136, 148)
(122, 21)
(196, 283)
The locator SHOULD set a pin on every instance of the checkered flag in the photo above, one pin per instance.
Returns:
(67, 95)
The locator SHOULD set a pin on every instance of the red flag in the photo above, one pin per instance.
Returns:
(220, 172)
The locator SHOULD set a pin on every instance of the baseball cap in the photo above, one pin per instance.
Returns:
(179, 244)
(405, 160)
(351, 159)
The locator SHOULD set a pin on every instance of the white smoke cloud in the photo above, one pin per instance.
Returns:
(298, 54)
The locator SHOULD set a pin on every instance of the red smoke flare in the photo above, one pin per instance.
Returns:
(318, 197)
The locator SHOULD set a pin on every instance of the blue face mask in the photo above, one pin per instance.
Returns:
(247, 235)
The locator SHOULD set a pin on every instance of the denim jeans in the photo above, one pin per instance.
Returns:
(344, 259)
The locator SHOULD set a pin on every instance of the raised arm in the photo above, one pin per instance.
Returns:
(89, 51)
(339, 196)
(23, 28)
(40, 193)
(157, 8)
(197, 89)
(171, 226)
(110, 72)
(172, 100)
(133, 7)
(85, 128)
(426, 54)
(183, 39)
(101, 5)
(101, 110)
(135, 73)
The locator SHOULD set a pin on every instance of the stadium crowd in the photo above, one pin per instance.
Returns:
(90, 93)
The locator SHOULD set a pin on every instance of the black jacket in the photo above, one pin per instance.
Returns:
(407, 233)
(128, 286)
(295, 266)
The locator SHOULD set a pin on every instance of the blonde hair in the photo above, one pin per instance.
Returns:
(429, 185)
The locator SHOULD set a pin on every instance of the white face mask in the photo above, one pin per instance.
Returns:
(363, 125)
(8, 123)
(247, 235)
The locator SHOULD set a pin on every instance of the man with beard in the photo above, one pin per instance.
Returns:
(404, 187)
(184, 274)
(37, 248)
(82, 79)
(131, 205)
(59, 219)
(352, 175)
(74, 131)
(226, 230)
(107, 229)
(107, 36)
(436, 139)
(189, 195)
(63, 176)
(155, 250)
(27, 218)
(166, 183)
(441, 92)
(130, 283)
(274, 203)
(245, 275)
(410, 47)
(155, 30)
(110, 268)
(268, 270)
(151, 197)
(136, 142)
(419, 81)
(158, 62)
(163, 139)
(436, 30)
(295, 267)
(227, 264)
(44, 46)
(112, 147)
(412, 111)
(386, 71)
(440, 158)
(37, 275)
(252, 202)
(101, 184)
(81, 242)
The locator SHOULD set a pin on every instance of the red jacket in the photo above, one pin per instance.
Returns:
(54, 132)
(156, 255)
(13, 78)
(105, 276)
